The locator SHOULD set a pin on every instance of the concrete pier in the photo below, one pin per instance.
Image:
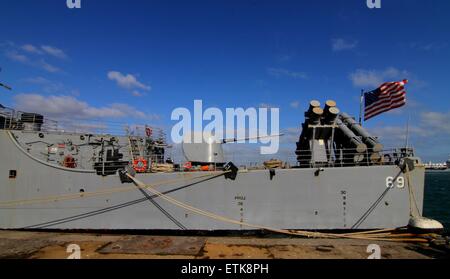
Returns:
(54, 245)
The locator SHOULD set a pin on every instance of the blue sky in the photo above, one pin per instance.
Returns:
(119, 59)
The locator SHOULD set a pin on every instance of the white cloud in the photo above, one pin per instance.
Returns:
(290, 135)
(49, 68)
(64, 107)
(395, 136)
(433, 46)
(31, 49)
(429, 134)
(279, 72)
(374, 78)
(136, 93)
(128, 81)
(45, 49)
(48, 86)
(295, 104)
(53, 51)
(340, 44)
(14, 55)
(37, 80)
(436, 121)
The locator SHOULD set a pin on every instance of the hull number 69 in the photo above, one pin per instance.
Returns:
(391, 182)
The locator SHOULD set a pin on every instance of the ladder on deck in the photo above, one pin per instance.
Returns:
(136, 147)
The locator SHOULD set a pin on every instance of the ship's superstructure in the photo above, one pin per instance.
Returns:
(53, 178)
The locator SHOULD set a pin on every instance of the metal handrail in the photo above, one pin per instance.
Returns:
(17, 120)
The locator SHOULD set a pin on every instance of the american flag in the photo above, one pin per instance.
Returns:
(389, 95)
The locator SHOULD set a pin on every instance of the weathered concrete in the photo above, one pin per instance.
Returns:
(53, 245)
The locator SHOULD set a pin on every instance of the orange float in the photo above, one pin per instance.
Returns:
(204, 168)
(140, 165)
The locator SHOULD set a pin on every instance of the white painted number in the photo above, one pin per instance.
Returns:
(375, 251)
(73, 4)
(372, 4)
(400, 181)
(390, 182)
(75, 250)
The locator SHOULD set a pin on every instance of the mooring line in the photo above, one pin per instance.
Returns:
(112, 208)
(160, 208)
(373, 206)
(281, 231)
(102, 192)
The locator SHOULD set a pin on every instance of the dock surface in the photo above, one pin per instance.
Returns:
(54, 245)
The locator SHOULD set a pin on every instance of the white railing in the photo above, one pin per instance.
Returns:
(17, 120)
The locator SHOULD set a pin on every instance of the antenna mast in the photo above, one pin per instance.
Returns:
(407, 131)
(361, 100)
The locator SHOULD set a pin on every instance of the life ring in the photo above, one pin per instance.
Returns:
(187, 166)
(140, 165)
(69, 162)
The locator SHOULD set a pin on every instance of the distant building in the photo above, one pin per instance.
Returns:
(437, 166)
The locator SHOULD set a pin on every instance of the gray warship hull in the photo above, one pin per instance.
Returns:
(331, 198)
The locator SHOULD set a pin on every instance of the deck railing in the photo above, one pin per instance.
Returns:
(18, 120)
(351, 157)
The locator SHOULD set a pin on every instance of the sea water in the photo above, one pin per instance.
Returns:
(437, 197)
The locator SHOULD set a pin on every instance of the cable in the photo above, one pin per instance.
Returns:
(111, 208)
(373, 206)
(165, 212)
(297, 233)
(90, 194)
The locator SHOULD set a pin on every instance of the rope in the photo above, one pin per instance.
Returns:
(281, 231)
(162, 168)
(372, 232)
(373, 206)
(111, 208)
(371, 235)
(165, 212)
(106, 191)
(412, 198)
(370, 210)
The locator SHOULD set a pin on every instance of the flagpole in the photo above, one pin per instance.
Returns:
(407, 131)
(361, 106)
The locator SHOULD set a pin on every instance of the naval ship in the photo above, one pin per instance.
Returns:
(52, 177)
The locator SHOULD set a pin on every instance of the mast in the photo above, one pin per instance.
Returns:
(407, 131)
(361, 100)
